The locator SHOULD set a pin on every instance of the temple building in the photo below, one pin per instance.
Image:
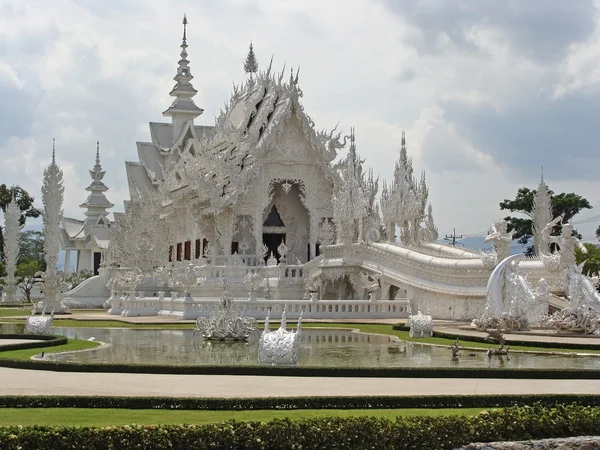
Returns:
(276, 210)
(261, 177)
(89, 237)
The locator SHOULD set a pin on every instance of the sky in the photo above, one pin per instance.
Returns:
(488, 92)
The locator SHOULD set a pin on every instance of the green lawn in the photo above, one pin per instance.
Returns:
(11, 312)
(98, 417)
(26, 354)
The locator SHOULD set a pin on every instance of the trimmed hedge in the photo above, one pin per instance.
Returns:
(413, 433)
(306, 371)
(293, 403)
(48, 341)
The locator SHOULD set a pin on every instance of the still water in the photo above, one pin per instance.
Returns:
(319, 347)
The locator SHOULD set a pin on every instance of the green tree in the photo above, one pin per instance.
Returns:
(26, 279)
(31, 247)
(566, 204)
(25, 202)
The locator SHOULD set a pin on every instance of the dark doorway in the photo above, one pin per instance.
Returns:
(272, 241)
(97, 259)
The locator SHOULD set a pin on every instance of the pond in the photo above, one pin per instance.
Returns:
(318, 347)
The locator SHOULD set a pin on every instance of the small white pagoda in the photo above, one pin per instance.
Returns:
(89, 237)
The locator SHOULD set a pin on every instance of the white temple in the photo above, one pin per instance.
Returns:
(266, 200)
(89, 238)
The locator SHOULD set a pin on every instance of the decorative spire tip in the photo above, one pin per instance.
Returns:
(97, 152)
(53, 150)
(184, 28)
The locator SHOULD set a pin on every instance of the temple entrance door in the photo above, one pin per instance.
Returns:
(272, 241)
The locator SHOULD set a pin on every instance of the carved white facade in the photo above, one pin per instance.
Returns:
(268, 201)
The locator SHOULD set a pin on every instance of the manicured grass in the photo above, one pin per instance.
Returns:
(98, 417)
(72, 345)
(11, 312)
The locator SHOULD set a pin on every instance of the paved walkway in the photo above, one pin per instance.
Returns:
(33, 382)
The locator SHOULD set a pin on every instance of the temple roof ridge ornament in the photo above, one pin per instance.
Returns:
(183, 89)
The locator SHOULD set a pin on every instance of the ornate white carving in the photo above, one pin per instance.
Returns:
(511, 302)
(226, 322)
(52, 199)
(140, 239)
(421, 325)
(501, 240)
(279, 346)
(12, 232)
(403, 203)
(39, 324)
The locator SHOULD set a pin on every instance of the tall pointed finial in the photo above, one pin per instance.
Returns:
(251, 64)
(53, 150)
(184, 28)
(98, 152)
(542, 179)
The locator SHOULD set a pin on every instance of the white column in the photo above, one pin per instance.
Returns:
(67, 261)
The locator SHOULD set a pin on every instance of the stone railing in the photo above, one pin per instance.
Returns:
(190, 308)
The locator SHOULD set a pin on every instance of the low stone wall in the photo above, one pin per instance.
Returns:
(576, 443)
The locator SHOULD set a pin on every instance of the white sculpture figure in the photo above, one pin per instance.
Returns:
(226, 322)
(279, 346)
(52, 199)
(566, 242)
(39, 324)
(185, 274)
(311, 286)
(253, 281)
(511, 303)
(370, 282)
(501, 240)
(421, 325)
(582, 314)
(12, 232)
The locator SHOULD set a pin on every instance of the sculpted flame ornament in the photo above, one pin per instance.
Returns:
(226, 321)
(52, 199)
(12, 232)
(279, 346)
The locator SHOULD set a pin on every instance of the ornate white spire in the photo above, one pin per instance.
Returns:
(12, 232)
(251, 64)
(96, 204)
(52, 199)
(183, 107)
(541, 215)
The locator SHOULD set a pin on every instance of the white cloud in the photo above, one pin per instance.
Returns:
(102, 74)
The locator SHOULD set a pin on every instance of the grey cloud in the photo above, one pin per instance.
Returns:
(562, 135)
(540, 29)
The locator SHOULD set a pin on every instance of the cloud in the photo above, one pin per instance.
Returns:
(487, 91)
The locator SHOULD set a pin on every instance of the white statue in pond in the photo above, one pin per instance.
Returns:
(279, 346)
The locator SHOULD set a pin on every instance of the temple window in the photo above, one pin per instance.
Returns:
(187, 250)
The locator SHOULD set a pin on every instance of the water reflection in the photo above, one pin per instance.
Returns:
(318, 347)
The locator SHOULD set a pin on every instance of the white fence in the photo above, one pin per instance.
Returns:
(189, 308)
